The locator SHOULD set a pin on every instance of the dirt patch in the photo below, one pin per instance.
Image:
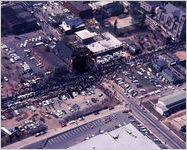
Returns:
(181, 55)
(175, 122)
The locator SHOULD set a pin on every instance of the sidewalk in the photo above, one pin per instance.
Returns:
(52, 132)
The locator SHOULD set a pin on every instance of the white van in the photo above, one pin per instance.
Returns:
(72, 122)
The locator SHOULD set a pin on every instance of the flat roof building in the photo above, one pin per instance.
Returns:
(172, 20)
(85, 36)
(78, 8)
(72, 25)
(17, 20)
(124, 140)
(159, 64)
(170, 76)
(171, 103)
(149, 6)
(96, 5)
(105, 43)
(133, 48)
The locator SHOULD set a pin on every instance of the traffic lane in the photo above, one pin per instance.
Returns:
(149, 135)
(79, 134)
(157, 126)
(163, 133)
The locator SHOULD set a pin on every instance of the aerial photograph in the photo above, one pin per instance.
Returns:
(93, 75)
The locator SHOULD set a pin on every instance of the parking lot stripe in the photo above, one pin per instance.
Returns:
(78, 130)
(65, 135)
(73, 132)
(69, 134)
(50, 142)
(84, 127)
(55, 140)
(99, 122)
(61, 138)
(94, 123)
(81, 129)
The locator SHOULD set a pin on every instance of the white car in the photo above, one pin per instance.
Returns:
(6, 79)
(64, 97)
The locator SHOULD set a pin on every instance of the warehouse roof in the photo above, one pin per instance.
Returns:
(172, 98)
(85, 34)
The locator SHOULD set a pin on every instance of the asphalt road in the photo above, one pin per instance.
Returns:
(154, 125)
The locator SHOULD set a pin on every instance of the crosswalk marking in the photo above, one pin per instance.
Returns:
(50, 142)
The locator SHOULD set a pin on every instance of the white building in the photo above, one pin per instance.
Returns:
(105, 43)
(85, 36)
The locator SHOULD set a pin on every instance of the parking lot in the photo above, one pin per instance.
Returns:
(141, 81)
(91, 129)
(52, 112)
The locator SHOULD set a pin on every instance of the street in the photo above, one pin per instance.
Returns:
(159, 130)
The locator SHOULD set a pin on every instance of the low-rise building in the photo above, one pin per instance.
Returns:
(167, 58)
(86, 37)
(96, 5)
(17, 20)
(171, 103)
(159, 64)
(78, 8)
(149, 6)
(105, 43)
(170, 76)
(172, 20)
(72, 25)
(133, 48)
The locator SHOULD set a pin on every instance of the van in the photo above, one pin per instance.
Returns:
(71, 122)
(12, 60)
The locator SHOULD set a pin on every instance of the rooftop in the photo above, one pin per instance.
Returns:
(96, 5)
(74, 22)
(107, 43)
(80, 6)
(172, 98)
(85, 34)
(122, 23)
(160, 62)
(125, 140)
(63, 50)
(153, 3)
(170, 8)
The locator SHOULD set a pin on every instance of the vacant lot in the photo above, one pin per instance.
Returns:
(181, 55)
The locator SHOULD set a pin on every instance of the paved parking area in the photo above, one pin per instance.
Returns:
(92, 129)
